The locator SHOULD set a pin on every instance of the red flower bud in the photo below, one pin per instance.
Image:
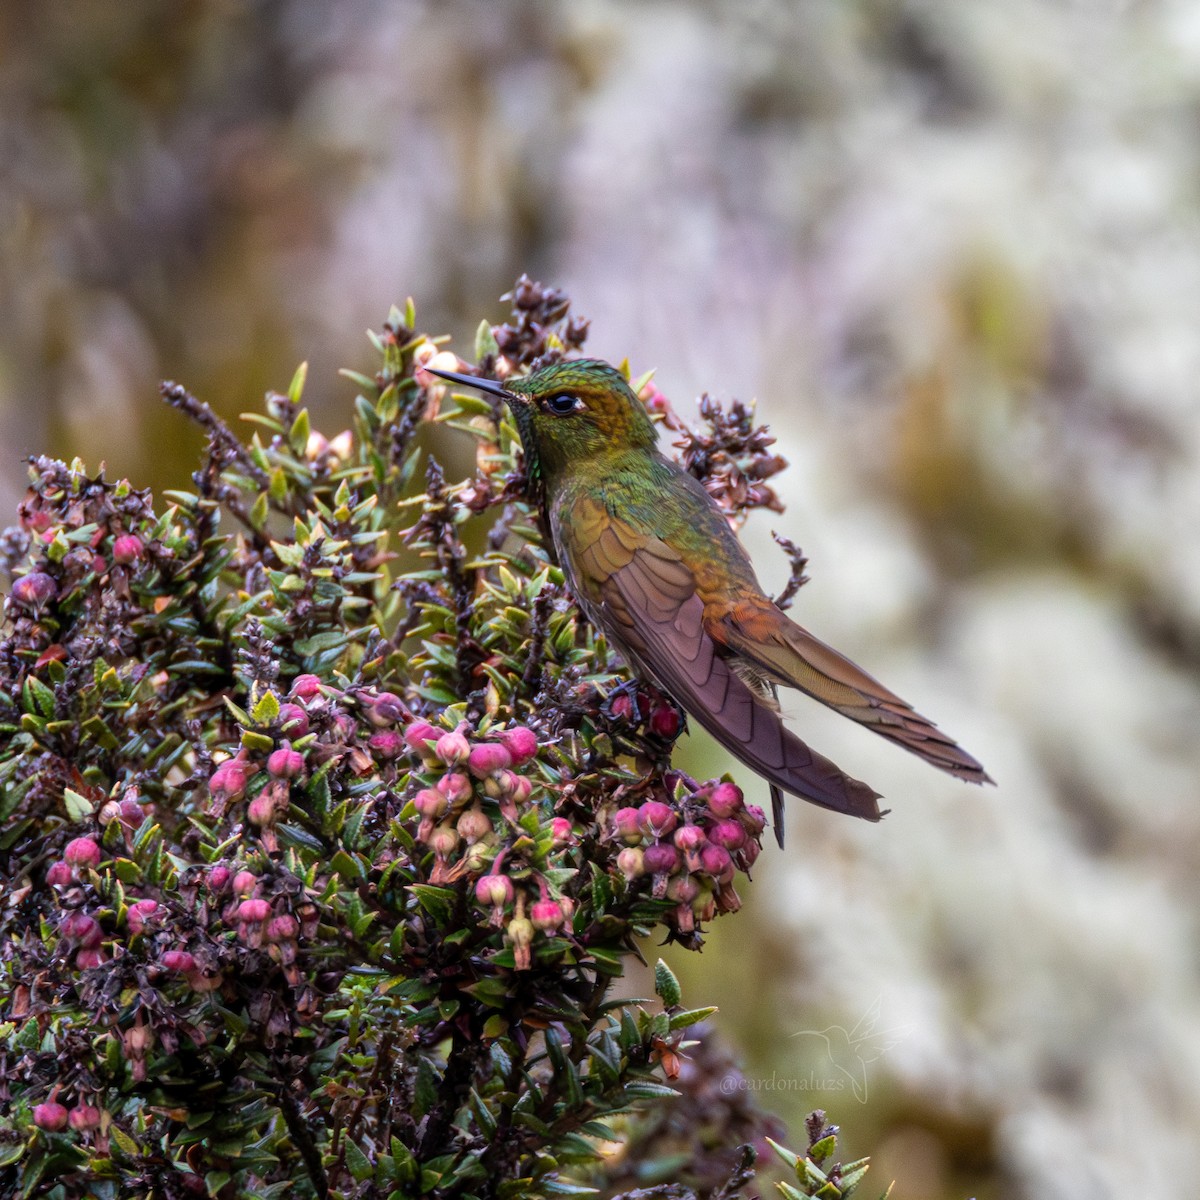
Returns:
(386, 743)
(747, 855)
(561, 832)
(84, 1117)
(716, 861)
(285, 763)
(90, 956)
(383, 709)
(283, 928)
(253, 910)
(60, 874)
(683, 889)
(660, 858)
(51, 1116)
(82, 852)
(628, 824)
(219, 877)
(452, 748)
(665, 722)
(456, 787)
(230, 778)
(689, 837)
(127, 548)
(521, 744)
(473, 825)
(178, 960)
(79, 927)
(494, 891)
(260, 812)
(305, 687)
(34, 590)
(656, 818)
(293, 720)
(486, 758)
(418, 736)
(547, 915)
(725, 801)
(631, 862)
(244, 882)
(754, 819)
(430, 802)
(139, 912)
(728, 833)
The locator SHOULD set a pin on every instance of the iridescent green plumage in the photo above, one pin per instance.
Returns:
(654, 564)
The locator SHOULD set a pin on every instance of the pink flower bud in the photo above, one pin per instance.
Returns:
(244, 882)
(82, 852)
(501, 784)
(546, 915)
(50, 1116)
(253, 910)
(285, 763)
(628, 824)
(728, 833)
(452, 748)
(127, 548)
(521, 744)
(661, 858)
(444, 841)
(727, 899)
(754, 819)
(386, 744)
(725, 801)
(456, 787)
(90, 956)
(79, 927)
(683, 889)
(747, 855)
(283, 928)
(656, 818)
(665, 722)
(34, 590)
(623, 708)
(260, 812)
(132, 813)
(473, 825)
(520, 933)
(689, 837)
(631, 862)
(110, 811)
(293, 720)
(561, 832)
(418, 736)
(305, 687)
(430, 802)
(517, 787)
(716, 861)
(84, 1117)
(178, 960)
(138, 913)
(60, 874)
(384, 708)
(486, 758)
(230, 778)
(494, 891)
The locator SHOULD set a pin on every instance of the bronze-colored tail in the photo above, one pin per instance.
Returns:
(788, 654)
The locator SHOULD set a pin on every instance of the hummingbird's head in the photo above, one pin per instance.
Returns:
(569, 412)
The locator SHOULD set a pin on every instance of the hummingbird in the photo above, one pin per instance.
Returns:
(653, 564)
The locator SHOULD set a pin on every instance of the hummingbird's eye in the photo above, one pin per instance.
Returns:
(563, 404)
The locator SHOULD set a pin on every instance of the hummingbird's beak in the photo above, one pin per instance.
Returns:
(491, 386)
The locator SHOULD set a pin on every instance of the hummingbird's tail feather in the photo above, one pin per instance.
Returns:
(788, 654)
(662, 625)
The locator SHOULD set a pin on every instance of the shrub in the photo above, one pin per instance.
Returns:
(328, 824)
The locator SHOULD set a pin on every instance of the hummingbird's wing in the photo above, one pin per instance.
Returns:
(644, 597)
(757, 631)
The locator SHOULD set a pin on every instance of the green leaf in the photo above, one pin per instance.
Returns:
(359, 1164)
(438, 902)
(78, 807)
(267, 708)
(691, 1017)
(485, 341)
(666, 986)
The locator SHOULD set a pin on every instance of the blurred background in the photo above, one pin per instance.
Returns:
(953, 249)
